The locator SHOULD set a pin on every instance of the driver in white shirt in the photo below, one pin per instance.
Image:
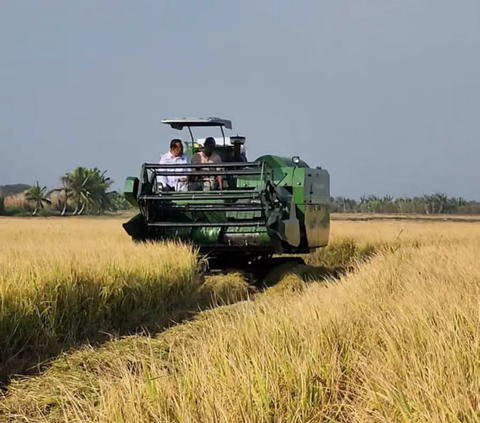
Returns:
(174, 156)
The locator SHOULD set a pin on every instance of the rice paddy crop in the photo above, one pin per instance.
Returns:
(398, 340)
(62, 282)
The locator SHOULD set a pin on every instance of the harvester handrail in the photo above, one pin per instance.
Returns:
(252, 223)
(200, 165)
(215, 208)
(200, 195)
(208, 172)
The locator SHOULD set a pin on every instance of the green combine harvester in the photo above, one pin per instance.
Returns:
(268, 211)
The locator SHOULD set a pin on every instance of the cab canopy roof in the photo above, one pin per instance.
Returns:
(180, 123)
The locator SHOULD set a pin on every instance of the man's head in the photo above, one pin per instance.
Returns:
(176, 147)
(209, 146)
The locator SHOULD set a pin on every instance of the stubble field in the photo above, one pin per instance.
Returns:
(396, 340)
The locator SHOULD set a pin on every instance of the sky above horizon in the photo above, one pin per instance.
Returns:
(384, 95)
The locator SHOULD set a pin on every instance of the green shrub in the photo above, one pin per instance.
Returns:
(15, 211)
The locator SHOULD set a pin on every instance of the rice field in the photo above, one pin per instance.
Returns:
(397, 340)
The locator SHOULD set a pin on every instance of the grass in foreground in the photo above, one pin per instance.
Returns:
(65, 282)
(397, 341)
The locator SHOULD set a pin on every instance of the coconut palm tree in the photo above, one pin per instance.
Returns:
(88, 188)
(38, 197)
(95, 193)
(66, 190)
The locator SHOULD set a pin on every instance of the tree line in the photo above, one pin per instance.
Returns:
(85, 191)
(82, 191)
(438, 203)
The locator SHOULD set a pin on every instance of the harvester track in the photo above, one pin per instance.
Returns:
(268, 272)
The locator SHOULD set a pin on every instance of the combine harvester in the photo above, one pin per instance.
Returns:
(268, 210)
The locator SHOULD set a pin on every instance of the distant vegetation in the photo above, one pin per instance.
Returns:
(82, 191)
(87, 192)
(6, 190)
(438, 203)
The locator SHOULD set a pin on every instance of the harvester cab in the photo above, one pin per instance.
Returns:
(225, 146)
(271, 206)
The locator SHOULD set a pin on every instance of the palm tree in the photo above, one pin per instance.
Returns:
(38, 197)
(75, 181)
(387, 204)
(88, 189)
(95, 193)
(66, 190)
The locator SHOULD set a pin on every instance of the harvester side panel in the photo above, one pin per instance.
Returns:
(317, 207)
(298, 191)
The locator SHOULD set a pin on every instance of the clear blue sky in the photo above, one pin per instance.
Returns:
(384, 94)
